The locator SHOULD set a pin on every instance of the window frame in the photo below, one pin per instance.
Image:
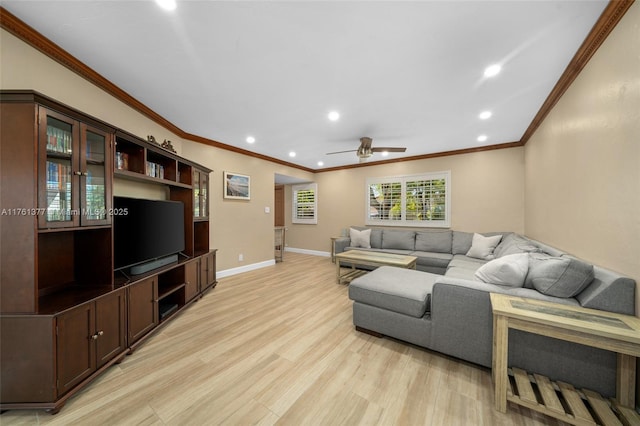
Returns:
(403, 180)
(294, 203)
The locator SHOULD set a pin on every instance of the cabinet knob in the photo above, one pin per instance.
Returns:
(95, 336)
(77, 173)
(100, 333)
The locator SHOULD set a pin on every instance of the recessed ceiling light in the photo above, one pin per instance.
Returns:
(492, 70)
(384, 153)
(320, 163)
(292, 154)
(251, 139)
(167, 4)
(484, 115)
(334, 115)
(482, 138)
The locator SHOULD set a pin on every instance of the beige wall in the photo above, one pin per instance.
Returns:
(237, 227)
(582, 168)
(487, 195)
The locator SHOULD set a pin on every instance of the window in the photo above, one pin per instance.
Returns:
(419, 200)
(305, 203)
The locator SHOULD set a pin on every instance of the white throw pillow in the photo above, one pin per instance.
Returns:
(510, 270)
(482, 247)
(360, 238)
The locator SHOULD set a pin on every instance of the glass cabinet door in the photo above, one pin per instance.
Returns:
(75, 173)
(58, 198)
(204, 194)
(94, 166)
(200, 194)
(196, 194)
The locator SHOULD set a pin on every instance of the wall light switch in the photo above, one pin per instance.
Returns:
(267, 209)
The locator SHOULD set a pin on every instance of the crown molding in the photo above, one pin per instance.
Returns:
(601, 29)
(426, 156)
(29, 35)
(609, 18)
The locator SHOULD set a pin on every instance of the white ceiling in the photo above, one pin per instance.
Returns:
(404, 73)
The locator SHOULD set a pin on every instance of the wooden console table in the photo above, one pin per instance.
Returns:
(600, 329)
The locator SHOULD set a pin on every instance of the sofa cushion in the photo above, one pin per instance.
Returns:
(461, 242)
(360, 238)
(482, 247)
(376, 238)
(457, 272)
(426, 258)
(434, 241)
(514, 243)
(558, 276)
(397, 239)
(510, 270)
(462, 261)
(399, 290)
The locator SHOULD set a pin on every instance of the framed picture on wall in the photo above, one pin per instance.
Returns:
(236, 186)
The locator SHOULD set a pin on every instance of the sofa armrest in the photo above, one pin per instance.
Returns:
(462, 321)
(340, 244)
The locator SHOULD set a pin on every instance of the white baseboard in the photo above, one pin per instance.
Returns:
(311, 252)
(246, 268)
(254, 266)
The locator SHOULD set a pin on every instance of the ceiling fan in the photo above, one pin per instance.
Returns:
(365, 150)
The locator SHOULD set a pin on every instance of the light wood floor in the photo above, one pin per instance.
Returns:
(277, 346)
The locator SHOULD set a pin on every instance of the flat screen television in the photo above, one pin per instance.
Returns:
(147, 233)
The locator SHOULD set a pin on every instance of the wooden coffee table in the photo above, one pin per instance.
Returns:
(369, 258)
(601, 329)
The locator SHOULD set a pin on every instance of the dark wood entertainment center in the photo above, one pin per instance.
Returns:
(65, 315)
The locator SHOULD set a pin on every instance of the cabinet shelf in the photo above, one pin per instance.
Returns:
(126, 174)
(59, 155)
(71, 295)
(165, 291)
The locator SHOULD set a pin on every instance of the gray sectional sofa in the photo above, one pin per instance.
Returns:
(445, 305)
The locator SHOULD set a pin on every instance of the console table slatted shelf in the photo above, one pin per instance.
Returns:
(562, 401)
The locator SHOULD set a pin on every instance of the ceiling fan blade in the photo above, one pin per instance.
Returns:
(388, 149)
(341, 152)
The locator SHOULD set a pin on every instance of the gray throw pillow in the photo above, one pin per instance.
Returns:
(558, 276)
(482, 247)
(360, 238)
(510, 270)
(514, 243)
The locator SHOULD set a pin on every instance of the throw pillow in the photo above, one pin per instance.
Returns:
(482, 247)
(559, 276)
(514, 243)
(360, 238)
(510, 270)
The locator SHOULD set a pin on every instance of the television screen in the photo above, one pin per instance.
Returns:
(145, 230)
